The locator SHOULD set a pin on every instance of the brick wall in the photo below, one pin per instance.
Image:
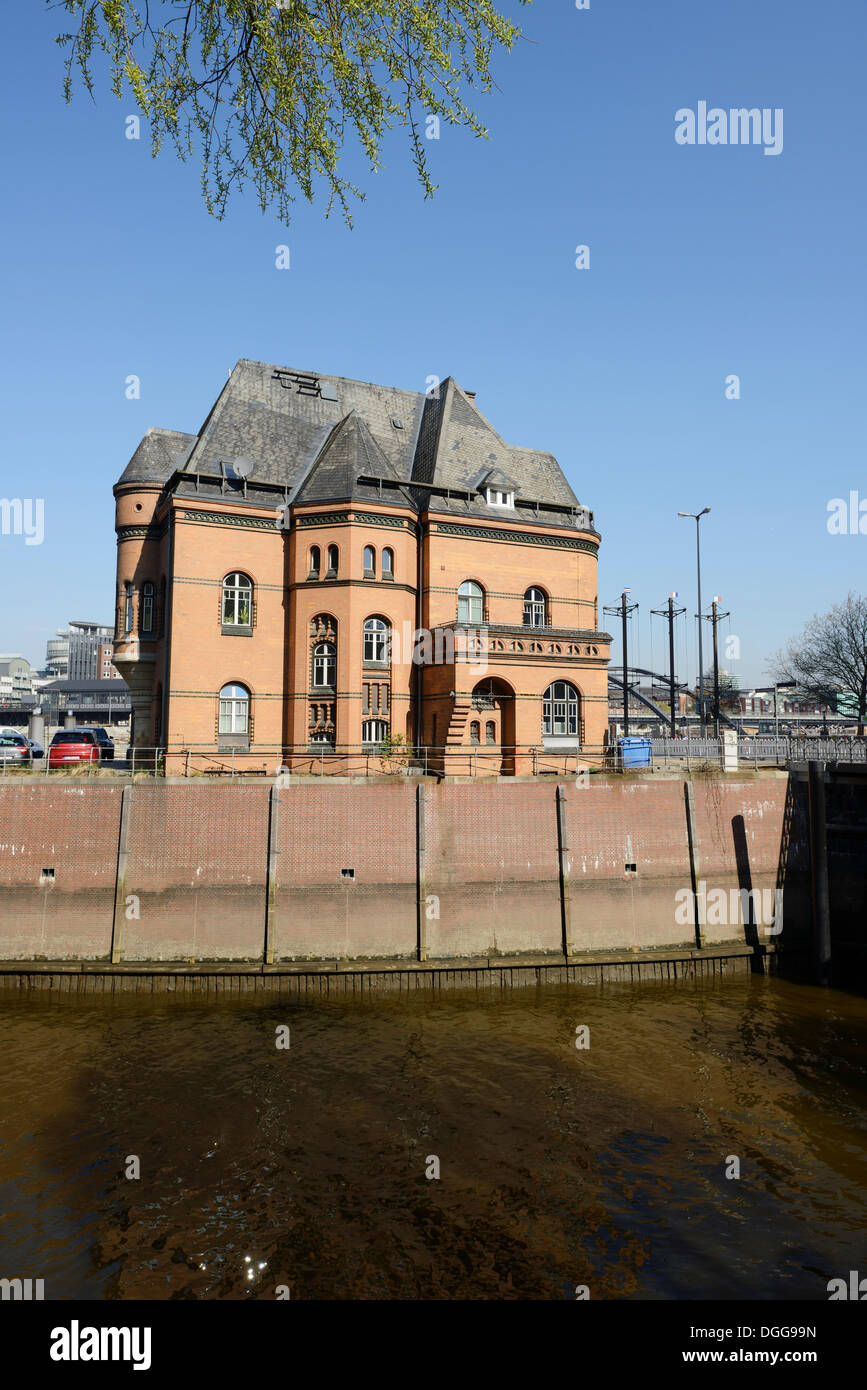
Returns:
(196, 866)
(366, 831)
(492, 870)
(72, 830)
(347, 881)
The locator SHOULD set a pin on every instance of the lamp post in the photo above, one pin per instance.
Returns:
(697, 516)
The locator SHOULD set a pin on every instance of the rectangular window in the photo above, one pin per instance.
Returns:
(374, 731)
(470, 609)
(233, 716)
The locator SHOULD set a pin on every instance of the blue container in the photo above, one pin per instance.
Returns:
(634, 752)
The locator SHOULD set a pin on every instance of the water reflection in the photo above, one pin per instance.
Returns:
(305, 1167)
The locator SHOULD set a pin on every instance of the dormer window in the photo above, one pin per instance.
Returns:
(498, 498)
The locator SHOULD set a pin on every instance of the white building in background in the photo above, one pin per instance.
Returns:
(15, 677)
(57, 655)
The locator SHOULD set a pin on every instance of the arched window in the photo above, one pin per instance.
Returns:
(325, 664)
(237, 600)
(534, 608)
(376, 643)
(369, 562)
(127, 625)
(490, 732)
(374, 731)
(475, 732)
(315, 561)
(471, 602)
(234, 709)
(333, 559)
(561, 709)
(147, 607)
(388, 563)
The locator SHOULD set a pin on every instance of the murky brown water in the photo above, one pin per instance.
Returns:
(603, 1166)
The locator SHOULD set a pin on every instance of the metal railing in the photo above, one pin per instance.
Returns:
(758, 750)
(453, 760)
(467, 760)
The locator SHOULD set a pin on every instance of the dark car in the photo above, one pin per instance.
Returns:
(106, 743)
(73, 746)
(36, 749)
(15, 750)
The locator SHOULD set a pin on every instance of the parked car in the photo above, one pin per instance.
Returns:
(15, 750)
(106, 743)
(35, 748)
(73, 746)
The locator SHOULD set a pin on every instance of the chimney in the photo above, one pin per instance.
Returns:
(470, 395)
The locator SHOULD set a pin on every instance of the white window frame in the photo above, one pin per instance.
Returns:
(324, 664)
(560, 712)
(499, 497)
(471, 603)
(535, 607)
(234, 717)
(374, 731)
(234, 589)
(375, 646)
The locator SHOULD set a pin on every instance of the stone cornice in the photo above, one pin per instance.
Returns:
(339, 518)
(246, 523)
(154, 532)
(484, 533)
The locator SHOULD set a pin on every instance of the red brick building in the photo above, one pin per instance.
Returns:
(330, 566)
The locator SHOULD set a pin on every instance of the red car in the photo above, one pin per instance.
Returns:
(73, 746)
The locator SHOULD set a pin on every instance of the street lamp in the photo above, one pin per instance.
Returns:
(697, 516)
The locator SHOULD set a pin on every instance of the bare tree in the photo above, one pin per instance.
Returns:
(829, 658)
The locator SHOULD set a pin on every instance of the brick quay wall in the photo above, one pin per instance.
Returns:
(186, 872)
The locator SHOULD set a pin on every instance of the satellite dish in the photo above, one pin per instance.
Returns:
(242, 468)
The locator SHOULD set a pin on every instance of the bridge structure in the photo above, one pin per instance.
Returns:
(616, 677)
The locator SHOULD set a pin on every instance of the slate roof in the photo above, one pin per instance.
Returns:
(158, 455)
(314, 436)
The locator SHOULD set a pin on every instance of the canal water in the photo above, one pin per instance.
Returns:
(559, 1166)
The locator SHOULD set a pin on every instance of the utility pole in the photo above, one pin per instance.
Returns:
(714, 617)
(697, 516)
(670, 614)
(624, 608)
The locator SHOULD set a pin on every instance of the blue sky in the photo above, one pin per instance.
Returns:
(704, 262)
